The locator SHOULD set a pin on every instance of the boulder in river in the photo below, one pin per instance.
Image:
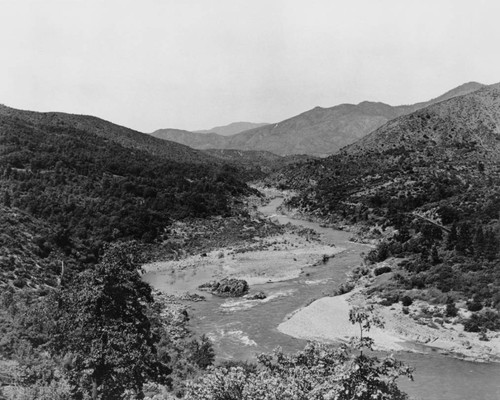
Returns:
(192, 297)
(227, 287)
(256, 296)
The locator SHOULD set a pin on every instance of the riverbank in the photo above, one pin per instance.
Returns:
(327, 320)
(419, 327)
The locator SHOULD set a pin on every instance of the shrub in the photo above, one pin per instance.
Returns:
(390, 299)
(451, 309)
(406, 301)
(344, 288)
(472, 324)
(474, 306)
(19, 283)
(381, 270)
(480, 321)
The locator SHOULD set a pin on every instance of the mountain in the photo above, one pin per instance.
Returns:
(233, 128)
(318, 132)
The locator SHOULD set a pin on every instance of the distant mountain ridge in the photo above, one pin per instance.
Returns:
(233, 128)
(318, 132)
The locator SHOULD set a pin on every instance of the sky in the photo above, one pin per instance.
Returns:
(196, 64)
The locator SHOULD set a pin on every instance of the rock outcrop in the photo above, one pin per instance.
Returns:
(226, 287)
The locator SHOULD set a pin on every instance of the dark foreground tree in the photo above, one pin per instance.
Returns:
(104, 332)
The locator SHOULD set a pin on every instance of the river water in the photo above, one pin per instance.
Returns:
(241, 328)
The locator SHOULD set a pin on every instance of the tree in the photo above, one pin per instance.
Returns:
(104, 331)
(451, 308)
(202, 352)
(435, 259)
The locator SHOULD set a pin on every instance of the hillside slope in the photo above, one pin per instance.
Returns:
(78, 188)
(253, 160)
(107, 130)
(233, 128)
(469, 121)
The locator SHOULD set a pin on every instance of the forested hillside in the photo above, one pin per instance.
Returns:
(84, 190)
(434, 176)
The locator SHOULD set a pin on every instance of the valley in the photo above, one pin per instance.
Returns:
(299, 307)
(403, 222)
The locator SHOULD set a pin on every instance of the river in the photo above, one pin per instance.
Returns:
(241, 328)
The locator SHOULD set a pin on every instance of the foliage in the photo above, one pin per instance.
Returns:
(89, 191)
(485, 320)
(40, 381)
(451, 309)
(318, 372)
(201, 352)
(406, 301)
(104, 330)
(381, 270)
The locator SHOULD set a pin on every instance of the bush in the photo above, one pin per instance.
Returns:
(451, 309)
(480, 321)
(406, 301)
(19, 283)
(474, 306)
(381, 270)
(472, 324)
(390, 299)
(344, 288)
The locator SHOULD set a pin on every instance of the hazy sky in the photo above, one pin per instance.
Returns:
(194, 64)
